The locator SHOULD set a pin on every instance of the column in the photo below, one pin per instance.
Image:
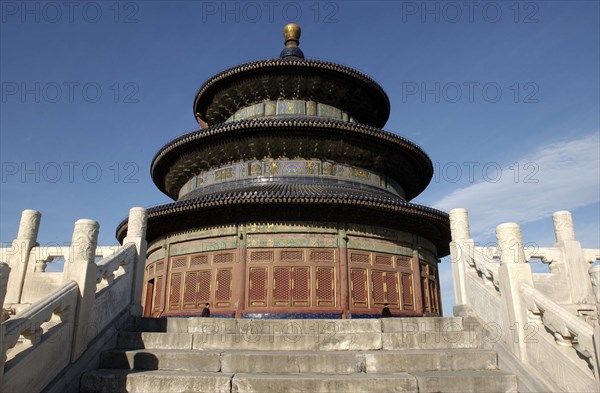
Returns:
(575, 266)
(513, 272)
(461, 248)
(81, 268)
(18, 256)
(136, 234)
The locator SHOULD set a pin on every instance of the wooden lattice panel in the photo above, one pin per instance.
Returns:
(257, 292)
(359, 292)
(378, 287)
(404, 262)
(391, 284)
(383, 260)
(282, 281)
(407, 292)
(199, 260)
(175, 292)
(301, 286)
(223, 287)
(322, 256)
(189, 290)
(261, 256)
(224, 257)
(179, 263)
(291, 256)
(157, 301)
(325, 286)
(203, 288)
(357, 257)
(160, 266)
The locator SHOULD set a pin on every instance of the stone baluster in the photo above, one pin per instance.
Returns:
(514, 272)
(18, 256)
(575, 267)
(81, 268)
(4, 274)
(136, 233)
(594, 272)
(461, 249)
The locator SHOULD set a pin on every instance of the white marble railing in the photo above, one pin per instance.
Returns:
(52, 333)
(541, 317)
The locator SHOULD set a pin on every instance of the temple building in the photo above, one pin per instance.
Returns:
(292, 201)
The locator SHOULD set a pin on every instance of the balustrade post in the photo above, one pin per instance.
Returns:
(594, 272)
(575, 266)
(136, 233)
(18, 256)
(513, 273)
(81, 268)
(461, 249)
(4, 274)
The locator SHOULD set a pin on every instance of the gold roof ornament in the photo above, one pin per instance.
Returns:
(291, 34)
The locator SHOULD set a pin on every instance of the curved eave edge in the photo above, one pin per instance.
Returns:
(257, 66)
(437, 218)
(263, 124)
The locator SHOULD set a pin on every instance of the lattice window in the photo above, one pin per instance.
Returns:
(223, 289)
(291, 256)
(359, 258)
(159, 266)
(157, 302)
(404, 262)
(281, 286)
(178, 263)
(203, 288)
(407, 292)
(391, 283)
(321, 256)
(198, 260)
(358, 280)
(301, 286)
(223, 258)
(151, 270)
(325, 286)
(378, 287)
(385, 260)
(257, 293)
(261, 256)
(189, 291)
(175, 293)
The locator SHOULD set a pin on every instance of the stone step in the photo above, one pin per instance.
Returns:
(430, 360)
(134, 381)
(432, 340)
(162, 359)
(141, 340)
(466, 381)
(256, 326)
(281, 362)
(422, 324)
(289, 342)
(277, 383)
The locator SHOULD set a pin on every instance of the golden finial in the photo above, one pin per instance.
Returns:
(291, 33)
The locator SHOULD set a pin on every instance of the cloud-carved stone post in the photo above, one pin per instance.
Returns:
(514, 272)
(461, 249)
(136, 234)
(18, 256)
(82, 269)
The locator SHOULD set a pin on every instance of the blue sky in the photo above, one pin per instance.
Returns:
(502, 95)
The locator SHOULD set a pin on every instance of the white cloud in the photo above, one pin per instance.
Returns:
(564, 175)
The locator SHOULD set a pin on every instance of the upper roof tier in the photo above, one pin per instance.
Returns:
(291, 77)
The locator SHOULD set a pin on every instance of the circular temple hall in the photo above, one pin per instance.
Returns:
(291, 201)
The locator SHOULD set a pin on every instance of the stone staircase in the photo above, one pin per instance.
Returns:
(359, 355)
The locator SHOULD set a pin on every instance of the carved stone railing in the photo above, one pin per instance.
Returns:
(30, 329)
(538, 315)
(45, 338)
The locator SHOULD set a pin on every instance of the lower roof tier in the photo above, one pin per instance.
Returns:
(295, 203)
(294, 138)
